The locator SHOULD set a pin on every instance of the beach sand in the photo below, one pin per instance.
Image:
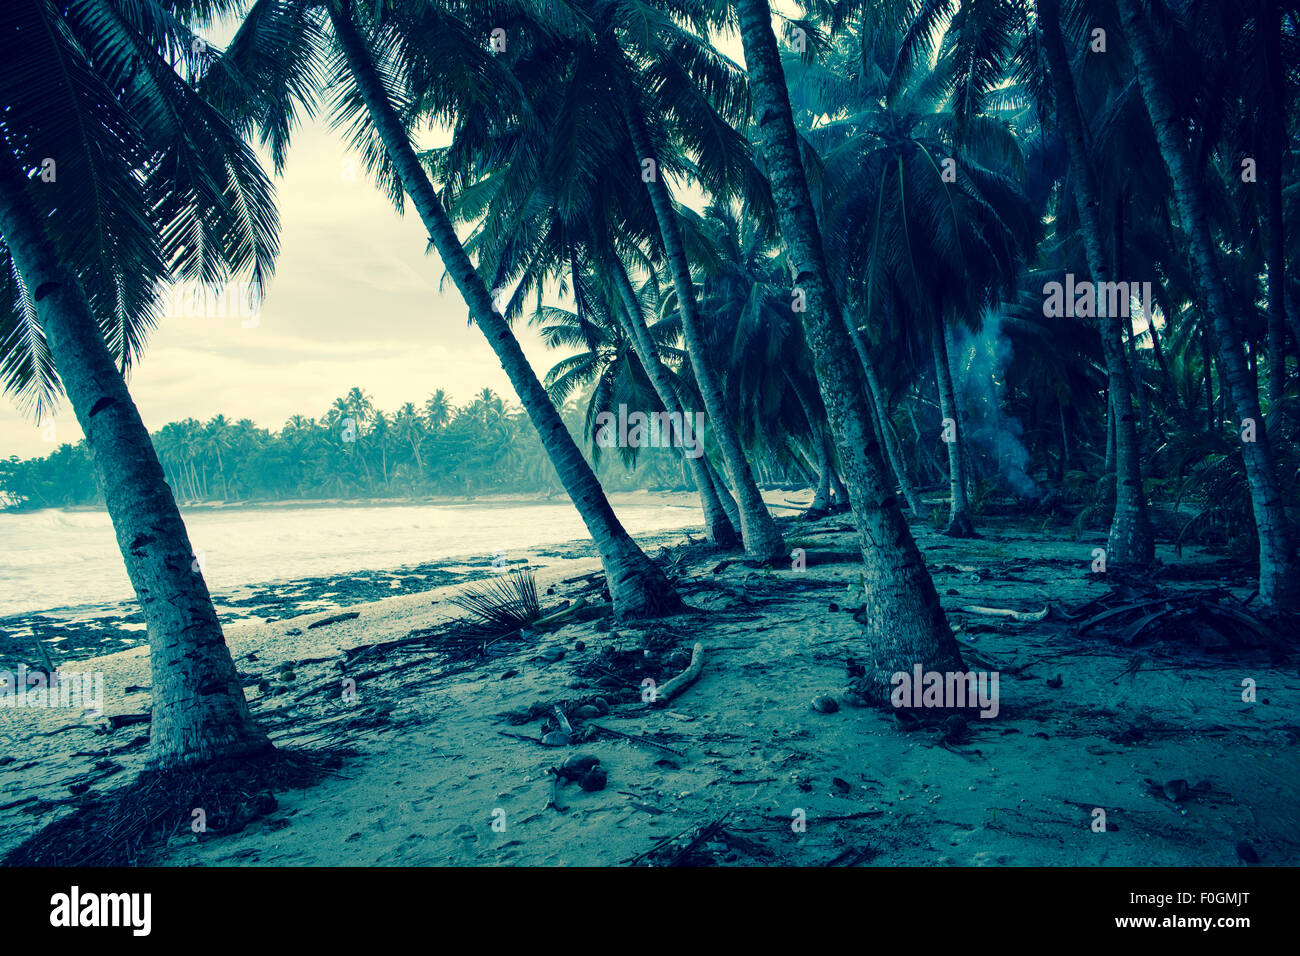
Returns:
(435, 782)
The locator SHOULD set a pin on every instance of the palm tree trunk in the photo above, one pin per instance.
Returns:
(717, 525)
(199, 710)
(1131, 546)
(1279, 578)
(840, 494)
(904, 622)
(1274, 150)
(821, 503)
(1132, 361)
(1170, 391)
(762, 539)
(723, 492)
(636, 585)
(960, 524)
(888, 440)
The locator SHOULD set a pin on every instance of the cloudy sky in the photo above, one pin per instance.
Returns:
(354, 301)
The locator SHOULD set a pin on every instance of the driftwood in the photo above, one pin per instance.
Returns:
(347, 616)
(1028, 616)
(560, 618)
(683, 680)
(583, 577)
(673, 855)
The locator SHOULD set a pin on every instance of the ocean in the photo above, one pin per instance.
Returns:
(62, 577)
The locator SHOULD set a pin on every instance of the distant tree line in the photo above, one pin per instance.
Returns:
(353, 450)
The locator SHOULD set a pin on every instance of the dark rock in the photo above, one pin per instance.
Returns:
(825, 704)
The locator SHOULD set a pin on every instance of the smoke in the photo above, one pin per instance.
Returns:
(993, 437)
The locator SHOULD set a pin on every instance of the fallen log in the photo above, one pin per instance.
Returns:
(683, 680)
(1015, 615)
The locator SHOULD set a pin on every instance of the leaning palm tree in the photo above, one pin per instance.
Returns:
(543, 213)
(1279, 570)
(674, 95)
(273, 66)
(904, 620)
(631, 56)
(923, 208)
(116, 177)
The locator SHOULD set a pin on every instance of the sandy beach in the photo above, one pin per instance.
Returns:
(445, 769)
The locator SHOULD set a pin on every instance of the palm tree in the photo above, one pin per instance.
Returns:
(438, 411)
(761, 538)
(1279, 576)
(151, 184)
(1131, 547)
(218, 437)
(765, 363)
(542, 209)
(426, 44)
(927, 217)
(410, 428)
(904, 620)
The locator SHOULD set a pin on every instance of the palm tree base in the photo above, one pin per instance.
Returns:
(123, 826)
(960, 525)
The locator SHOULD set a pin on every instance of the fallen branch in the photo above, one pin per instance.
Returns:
(559, 617)
(1028, 616)
(634, 738)
(531, 740)
(683, 680)
(346, 616)
(583, 577)
(126, 720)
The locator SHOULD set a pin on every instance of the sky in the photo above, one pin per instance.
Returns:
(355, 301)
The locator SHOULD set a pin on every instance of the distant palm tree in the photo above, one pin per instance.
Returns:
(438, 411)
(116, 177)
(410, 428)
(219, 438)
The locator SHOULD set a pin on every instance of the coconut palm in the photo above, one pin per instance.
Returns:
(761, 538)
(438, 411)
(927, 216)
(375, 65)
(1130, 547)
(904, 622)
(1279, 577)
(541, 205)
(117, 177)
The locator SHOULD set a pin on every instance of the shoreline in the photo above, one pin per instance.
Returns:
(501, 498)
(79, 632)
(434, 757)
